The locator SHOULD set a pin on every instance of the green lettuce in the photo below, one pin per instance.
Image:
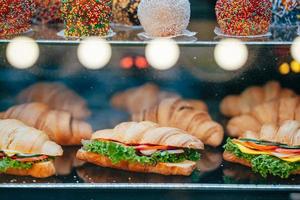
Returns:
(7, 163)
(264, 164)
(118, 152)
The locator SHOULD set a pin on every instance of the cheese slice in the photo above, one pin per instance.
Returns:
(10, 153)
(292, 159)
(247, 150)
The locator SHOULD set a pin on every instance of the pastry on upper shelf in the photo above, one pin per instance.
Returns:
(134, 100)
(124, 12)
(272, 112)
(26, 151)
(47, 11)
(164, 18)
(15, 16)
(56, 96)
(273, 150)
(234, 105)
(83, 18)
(60, 126)
(244, 17)
(174, 112)
(143, 147)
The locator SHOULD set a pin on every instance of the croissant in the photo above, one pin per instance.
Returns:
(174, 112)
(287, 133)
(60, 126)
(274, 112)
(149, 133)
(136, 99)
(17, 136)
(57, 96)
(234, 105)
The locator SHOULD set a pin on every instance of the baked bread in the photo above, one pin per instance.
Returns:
(273, 150)
(134, 100)
(274, 112)
(57, 96)
(174, 112)
(60, 126)
(26, 151)
(234, 105)
(142, 147)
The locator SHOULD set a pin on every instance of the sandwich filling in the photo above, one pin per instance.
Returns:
(16, 160)
(142, 154)
(266, 157)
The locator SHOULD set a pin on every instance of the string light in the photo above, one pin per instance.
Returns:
(231, 54)
(22, 52)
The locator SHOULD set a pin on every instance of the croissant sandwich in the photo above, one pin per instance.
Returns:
(60, 126)
(26, 151)
(234, 105)
(57, 96)
(174, 112)
(143, 147)
(274, 150)
(136, 99)
(273, 112)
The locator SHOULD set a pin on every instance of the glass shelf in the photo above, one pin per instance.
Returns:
(205, 35)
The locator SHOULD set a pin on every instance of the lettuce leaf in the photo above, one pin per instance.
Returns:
(7, 163)
(264, 164)
(118, 152)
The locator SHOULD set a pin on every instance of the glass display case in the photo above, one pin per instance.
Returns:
(204, 66)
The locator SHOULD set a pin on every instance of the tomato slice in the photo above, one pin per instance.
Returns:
(32, 159)
(150, 147)
(260, 147)
(288, 151)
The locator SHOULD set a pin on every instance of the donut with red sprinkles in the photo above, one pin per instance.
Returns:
(47, 11)
(244, 17)
(15, 16)
(84, 18)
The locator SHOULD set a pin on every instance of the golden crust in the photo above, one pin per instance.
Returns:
(18, 137)
(232, 158)
(38, 170)
(149, 133)
(234, 105)
(184, 168)
(60, 126)
(182, 114)
(57, 96)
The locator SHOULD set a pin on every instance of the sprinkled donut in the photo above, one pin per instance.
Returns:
(125, 12)
(15, 16)
(163, 18)
(86, 17)
(47, 11)
(244, 17)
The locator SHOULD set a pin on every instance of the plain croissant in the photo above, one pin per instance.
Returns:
(149, 133)
(57, 96)
(174, 112)
(287, 133)
(16, 136)
(274, 112)
(60, 126)
(136, 99)
(234, 105)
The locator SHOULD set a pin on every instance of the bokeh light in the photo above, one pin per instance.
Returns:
(231, 54)
(22, 52)
(295, 49)
(162, 53)
(94, 53)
